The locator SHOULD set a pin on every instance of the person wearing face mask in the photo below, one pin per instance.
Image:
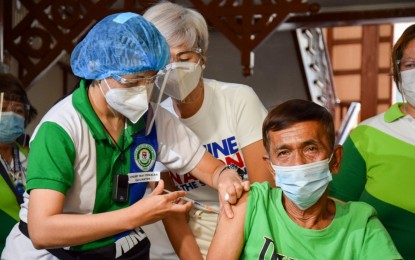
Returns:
(93, 153)
(379, 155)
(225, 116)
(15, 112)
(298, 220)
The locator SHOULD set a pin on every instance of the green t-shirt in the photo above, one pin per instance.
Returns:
(378, 168)
(269, 233)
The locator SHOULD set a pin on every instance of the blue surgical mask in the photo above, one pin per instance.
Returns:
(303, 184)
(11, 127)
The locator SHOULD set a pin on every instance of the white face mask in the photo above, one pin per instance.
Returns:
(131, 102)
(303, 184)
(182, 79)
(408, 86)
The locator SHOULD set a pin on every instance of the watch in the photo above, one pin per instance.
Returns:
(232, 166)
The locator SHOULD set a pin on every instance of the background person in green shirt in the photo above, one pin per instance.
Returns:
(15, 113)
(298, 220)
(379, 156)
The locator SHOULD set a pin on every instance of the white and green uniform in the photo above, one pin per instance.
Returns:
(378, 167)
(229, 119)
(269, 233)
(71, 153)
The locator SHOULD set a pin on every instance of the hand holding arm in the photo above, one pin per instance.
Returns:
(230, 184)
(209, 170)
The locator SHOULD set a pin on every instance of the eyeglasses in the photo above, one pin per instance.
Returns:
(406, 64)
(192, 55)
(141, 81)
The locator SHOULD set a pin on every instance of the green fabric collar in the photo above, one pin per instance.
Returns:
(82, 104)
(393, 113)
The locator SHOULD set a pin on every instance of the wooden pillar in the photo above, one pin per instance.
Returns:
(370, 61)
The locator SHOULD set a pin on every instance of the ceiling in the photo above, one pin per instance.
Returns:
(231, 17)
(354, 12)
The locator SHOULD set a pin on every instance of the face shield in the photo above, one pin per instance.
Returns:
(182, 78)
(137, 97)
(155, 100)
(184, 74)
(13, 115)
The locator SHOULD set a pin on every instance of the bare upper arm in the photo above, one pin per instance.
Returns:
(44, 203)
(228, 240)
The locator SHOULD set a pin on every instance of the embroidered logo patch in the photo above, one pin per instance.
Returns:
(145, 157)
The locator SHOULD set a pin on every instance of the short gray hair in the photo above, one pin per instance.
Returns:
(180, 26)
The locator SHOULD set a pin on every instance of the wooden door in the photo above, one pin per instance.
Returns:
(360, 58)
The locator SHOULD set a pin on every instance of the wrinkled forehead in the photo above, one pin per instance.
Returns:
(299, 134)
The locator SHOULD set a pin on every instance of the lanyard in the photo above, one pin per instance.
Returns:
(17, 174)
(16, 160)
(4, 170)
(17, 165)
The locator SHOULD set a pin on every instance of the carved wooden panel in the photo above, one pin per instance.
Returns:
(317, 67)
(38, 32)
(246, 23)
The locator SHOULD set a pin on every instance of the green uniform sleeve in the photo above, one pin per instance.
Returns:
(51, 159)
(349, 183)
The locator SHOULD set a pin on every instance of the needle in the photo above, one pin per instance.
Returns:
(197, 204)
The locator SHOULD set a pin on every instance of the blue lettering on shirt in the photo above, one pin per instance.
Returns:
(228, 147)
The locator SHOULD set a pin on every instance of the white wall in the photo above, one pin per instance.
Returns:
(277, 75)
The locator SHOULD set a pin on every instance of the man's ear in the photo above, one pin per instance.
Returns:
(336, 159)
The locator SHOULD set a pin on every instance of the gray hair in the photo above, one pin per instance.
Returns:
(180, 26)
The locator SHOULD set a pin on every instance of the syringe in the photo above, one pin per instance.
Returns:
(197, 204)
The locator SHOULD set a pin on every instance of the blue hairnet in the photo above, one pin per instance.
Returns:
(120, 44)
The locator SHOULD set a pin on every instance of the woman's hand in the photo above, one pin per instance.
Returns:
(157, 205)
(230, 188)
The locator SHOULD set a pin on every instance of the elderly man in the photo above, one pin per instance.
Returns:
(299, 220)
